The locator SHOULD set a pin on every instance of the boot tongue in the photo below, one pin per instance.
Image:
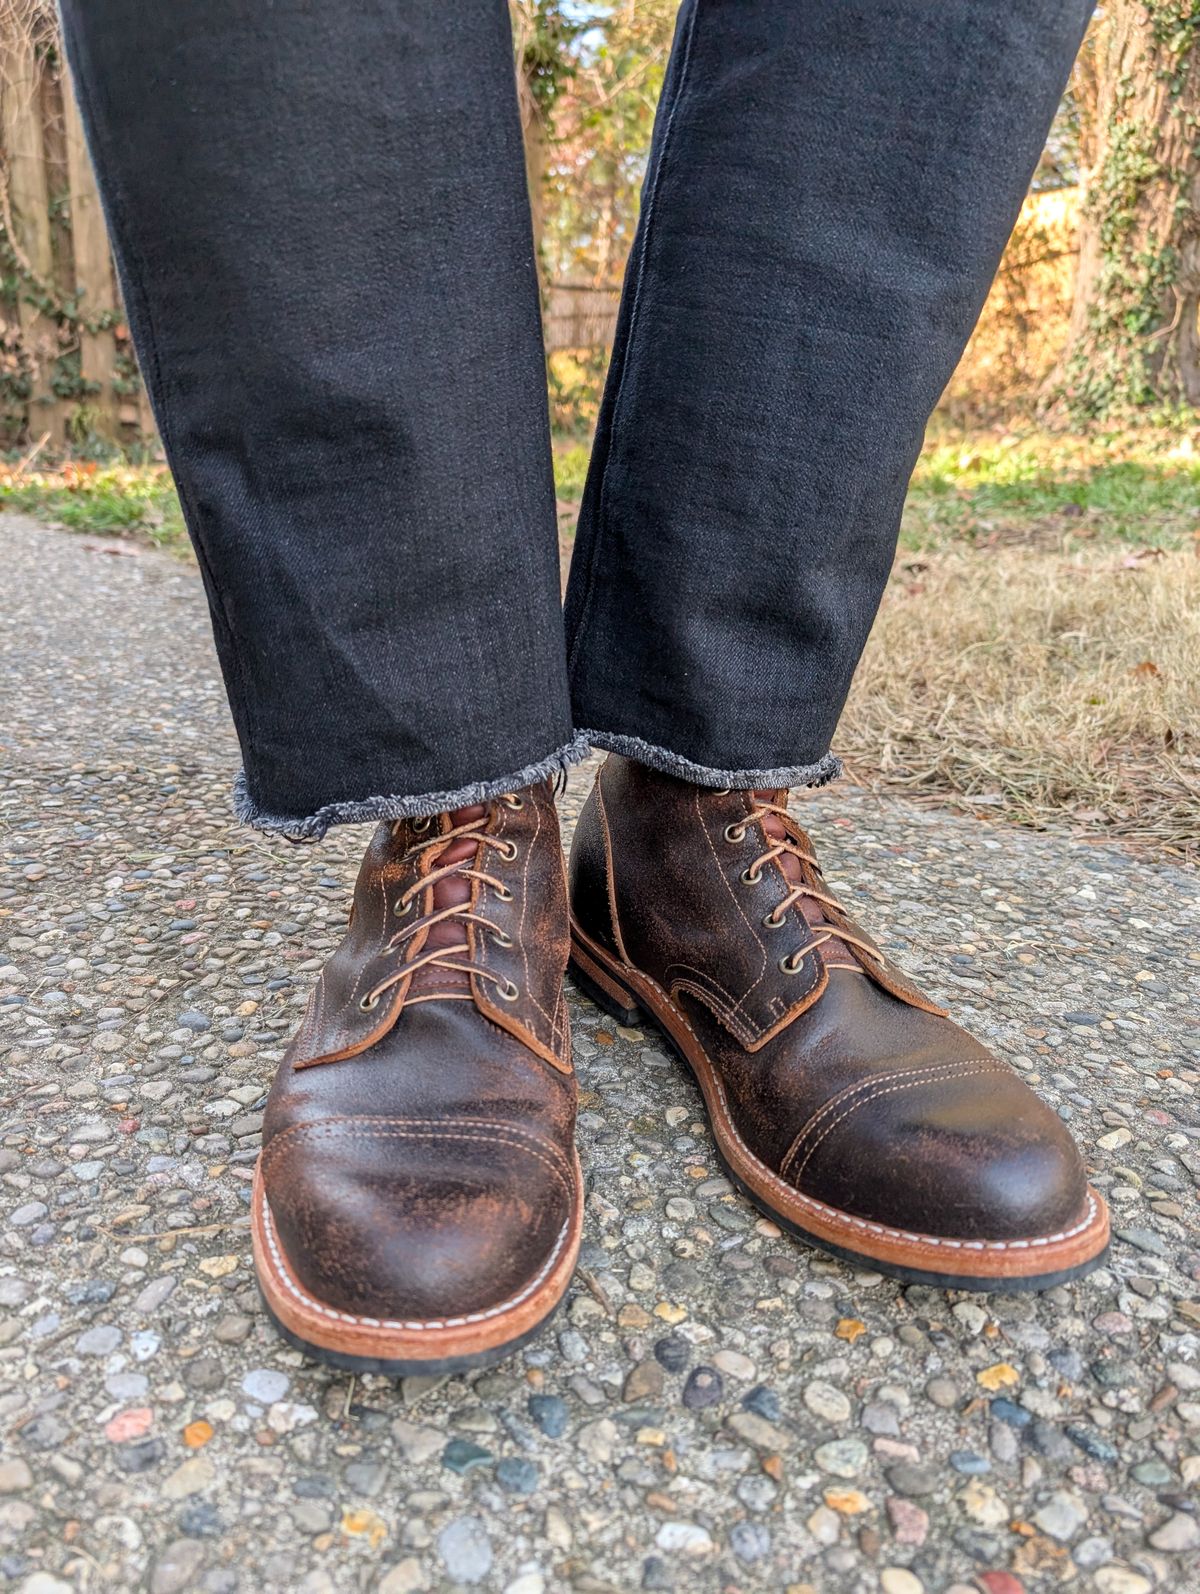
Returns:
(450, 892)
(834, 953)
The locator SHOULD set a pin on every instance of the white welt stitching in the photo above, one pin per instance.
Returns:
(416, 1327)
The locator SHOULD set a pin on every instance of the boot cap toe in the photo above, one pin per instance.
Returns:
(967, 1152)
(417, 1222)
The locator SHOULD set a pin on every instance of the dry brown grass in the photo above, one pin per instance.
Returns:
(1038, 686)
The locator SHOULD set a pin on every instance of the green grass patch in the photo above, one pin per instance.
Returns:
(1042, 489)
(570, 468)
(135, 501)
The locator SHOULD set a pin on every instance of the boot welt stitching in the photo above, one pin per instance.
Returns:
(890, 1090)
(845, 1094)
(415, 1326)
(865, 1224)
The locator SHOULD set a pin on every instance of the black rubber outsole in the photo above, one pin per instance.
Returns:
(629, 1016)
(445, 1366)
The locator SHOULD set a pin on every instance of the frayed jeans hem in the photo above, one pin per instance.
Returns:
(668, 763)
(368, 810)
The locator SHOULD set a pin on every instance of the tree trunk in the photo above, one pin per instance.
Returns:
(1133, 340)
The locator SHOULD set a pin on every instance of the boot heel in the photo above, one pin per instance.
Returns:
(597, 983)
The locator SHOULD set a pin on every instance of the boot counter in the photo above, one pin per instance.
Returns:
(587, 874)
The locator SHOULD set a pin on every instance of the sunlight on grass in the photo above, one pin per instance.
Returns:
(101, 500)
(1037, 685)
(1141, 487)
(570, 468)
(1038, 490)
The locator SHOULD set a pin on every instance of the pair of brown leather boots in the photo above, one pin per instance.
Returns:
(418, 1202)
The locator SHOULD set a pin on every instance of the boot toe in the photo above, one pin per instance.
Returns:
(417, 1223)
(970, 1154)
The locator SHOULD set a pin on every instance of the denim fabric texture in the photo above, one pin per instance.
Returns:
(322, 231)
(323, 236)
(830, 189)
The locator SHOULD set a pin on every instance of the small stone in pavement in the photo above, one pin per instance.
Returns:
(549, 1412)
(265, 1385)
(704, 1387)
(466, 1549)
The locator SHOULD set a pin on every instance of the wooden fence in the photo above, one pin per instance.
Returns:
(66, 368)
(579, 316)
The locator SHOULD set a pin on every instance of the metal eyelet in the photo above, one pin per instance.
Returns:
(751, 877)
(722, 791)
(511, 800)
(770, 922)
(421, 825)
(508, 992)
(508, 850)
(735, 833)
(503, 894)
(401, 908)
(368, 1004)
(789, 965)
(499, 937)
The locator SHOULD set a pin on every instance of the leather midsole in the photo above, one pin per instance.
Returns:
(331, 1329)
(879, 1242)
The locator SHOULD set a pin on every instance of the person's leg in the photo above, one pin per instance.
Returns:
(321, 224)
(830, 189)
(322, 228)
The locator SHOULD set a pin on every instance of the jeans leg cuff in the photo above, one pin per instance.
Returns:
(367, 810)
(669, 763)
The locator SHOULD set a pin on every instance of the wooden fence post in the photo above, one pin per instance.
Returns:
(93, 273)
(28, 205)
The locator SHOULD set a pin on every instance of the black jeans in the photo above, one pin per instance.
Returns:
(323, 237)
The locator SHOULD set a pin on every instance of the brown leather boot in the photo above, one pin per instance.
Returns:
(843, 1103)
(417, 1204)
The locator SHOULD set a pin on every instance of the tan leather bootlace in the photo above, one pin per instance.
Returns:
(770, 810)
(457, 854)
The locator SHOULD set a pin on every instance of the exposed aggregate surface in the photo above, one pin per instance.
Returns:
(716, 1407)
